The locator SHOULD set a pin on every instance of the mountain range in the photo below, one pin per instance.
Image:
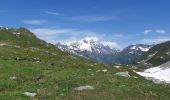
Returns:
(90, 48)
(131, 53)
(103, 52)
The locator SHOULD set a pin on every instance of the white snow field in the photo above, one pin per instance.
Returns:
(158, 74)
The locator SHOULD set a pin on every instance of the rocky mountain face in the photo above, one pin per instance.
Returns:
(103, 53)
(131, 53)
(90, 48)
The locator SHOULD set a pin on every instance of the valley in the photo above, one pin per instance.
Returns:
(33, 69)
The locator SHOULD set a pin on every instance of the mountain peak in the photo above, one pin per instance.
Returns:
(90, 39)
(140, 47)
(89, 47)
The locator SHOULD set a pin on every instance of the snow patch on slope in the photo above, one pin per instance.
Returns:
(161, 73)
(144, 49)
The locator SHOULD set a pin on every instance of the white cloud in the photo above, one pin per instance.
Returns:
(159, 31)
(155, 40)
(50, 31)
(34, 22)
(147, 31)
(50, 35)
(93, 18)
(111, 44)
(53, 13)
(54, 35)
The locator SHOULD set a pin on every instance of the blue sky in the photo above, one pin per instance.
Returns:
(121, 22)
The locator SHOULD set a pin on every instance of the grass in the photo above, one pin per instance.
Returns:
(54, 74)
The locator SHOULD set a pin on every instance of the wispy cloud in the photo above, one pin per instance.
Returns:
(34, 22)
(53, 13)
(111, 44)
(147, 31)
(155, 40)
(93, 18)
(55, 35)
(159, 31)
(50, 31)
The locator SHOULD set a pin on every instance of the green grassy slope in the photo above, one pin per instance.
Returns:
(54, 74)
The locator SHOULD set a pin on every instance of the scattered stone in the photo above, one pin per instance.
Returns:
(122, 85)
(13, 78)
(3, 44)
(91, 65)
(98, 70)
(135, 77)
(134, 67)
(104, 70)
(29, 94)
(87, 87)
(15, 33)
(117, 66)
(37, 61)
(168, 53)
(124, 74)
(89, 69)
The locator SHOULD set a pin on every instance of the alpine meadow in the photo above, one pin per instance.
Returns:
(84, 50)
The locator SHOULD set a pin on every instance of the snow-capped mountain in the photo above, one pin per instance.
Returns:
(137, 49)
(90, 47)
(104, 52)
(132, 53)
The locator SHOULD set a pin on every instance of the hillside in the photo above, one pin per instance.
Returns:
(157, 55)
(131, 54)
(33, 69)
(19, 36)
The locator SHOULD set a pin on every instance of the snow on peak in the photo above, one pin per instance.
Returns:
(133, 47)
(85, 46)
(91, 39)
(143, 48)
(90, 44)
